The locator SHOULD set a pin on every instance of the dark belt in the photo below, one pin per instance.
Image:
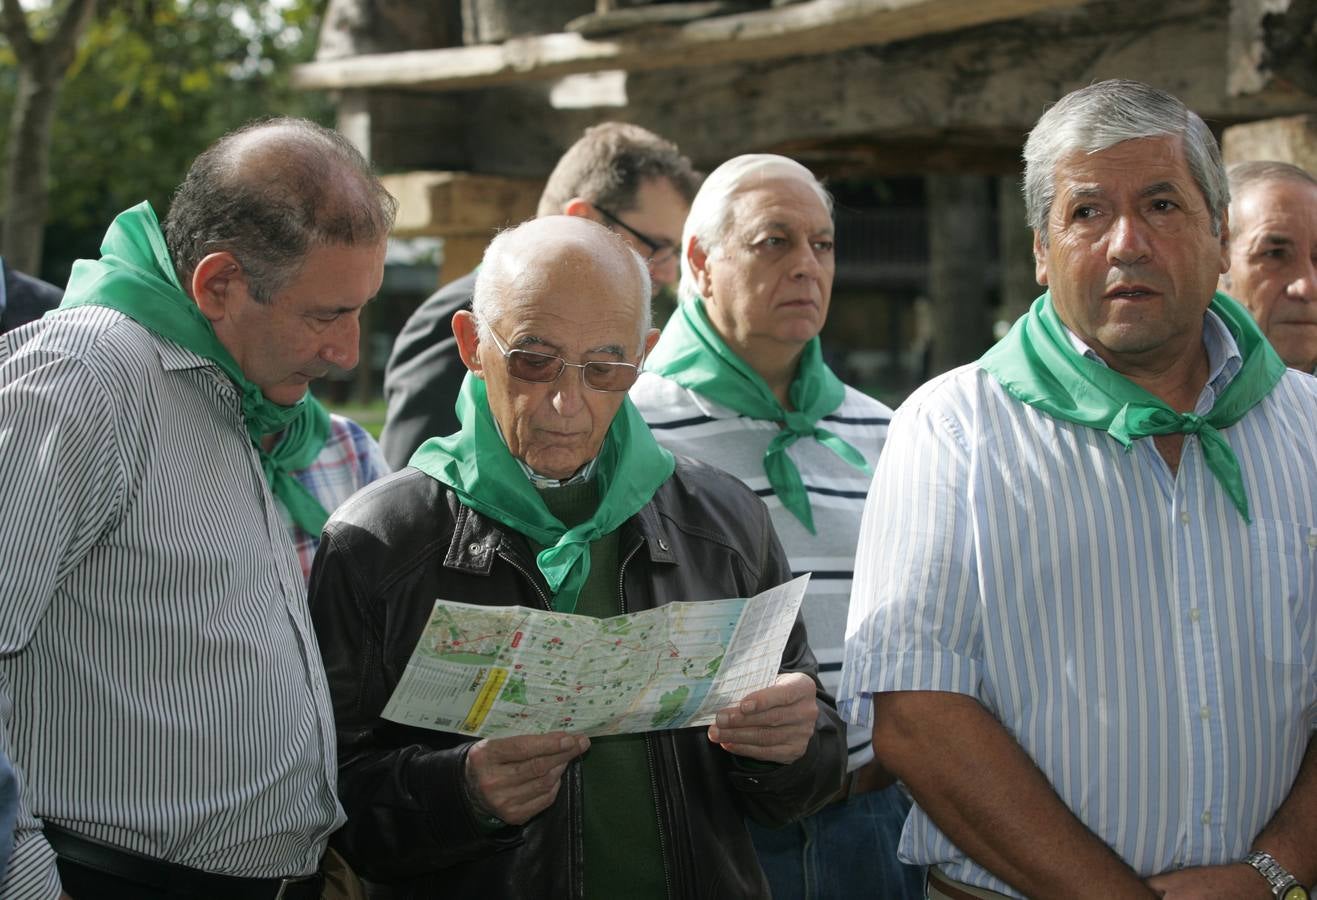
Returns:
(93, 870)
(955, 890)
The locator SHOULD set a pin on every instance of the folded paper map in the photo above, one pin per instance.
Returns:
(496, 671)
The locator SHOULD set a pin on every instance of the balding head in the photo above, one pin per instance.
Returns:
(270, 192)
(559, 327)
(519, 264)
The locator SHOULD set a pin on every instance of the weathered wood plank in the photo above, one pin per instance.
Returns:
(815, 27)
(951, 103)
(1292, 139)
(446, 204)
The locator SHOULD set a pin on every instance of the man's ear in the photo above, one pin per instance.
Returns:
(468, 341)
(217, 282)
(1039, 260)
(650, 340)
(699, 262)
(579, 206)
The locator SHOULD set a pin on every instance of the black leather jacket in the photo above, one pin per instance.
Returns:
(406, 540)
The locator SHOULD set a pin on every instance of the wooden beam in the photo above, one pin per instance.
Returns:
(456, 204)
(949, 103)
(810, 28)
(977, 89)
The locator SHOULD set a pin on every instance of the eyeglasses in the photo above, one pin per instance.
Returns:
(659, 251)
(543, 368)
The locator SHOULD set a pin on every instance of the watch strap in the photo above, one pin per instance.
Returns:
(1284, 886)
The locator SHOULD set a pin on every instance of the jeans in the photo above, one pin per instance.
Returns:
(845, 851)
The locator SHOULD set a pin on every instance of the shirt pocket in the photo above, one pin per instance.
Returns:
(1285, 580)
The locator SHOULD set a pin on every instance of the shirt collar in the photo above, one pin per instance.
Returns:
(1223, 359)
(544, 483)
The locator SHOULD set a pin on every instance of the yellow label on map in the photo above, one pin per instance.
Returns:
(485, 699)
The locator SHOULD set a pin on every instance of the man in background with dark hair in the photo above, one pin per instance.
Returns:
(626, 178)
(161, 693)
(1273, 255)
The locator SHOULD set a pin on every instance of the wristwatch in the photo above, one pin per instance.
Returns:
(1284, 886)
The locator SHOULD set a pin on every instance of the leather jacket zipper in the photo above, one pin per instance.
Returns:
(649, 741)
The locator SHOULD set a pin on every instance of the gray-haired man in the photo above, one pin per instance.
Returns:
(1085, 617)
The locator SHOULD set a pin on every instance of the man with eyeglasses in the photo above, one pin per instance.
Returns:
(554, 495)
(626, 178)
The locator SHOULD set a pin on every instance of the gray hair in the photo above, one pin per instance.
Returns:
(269, 193)
(1097, 117)
(1247, 174)
(710, 218)
(505, 271)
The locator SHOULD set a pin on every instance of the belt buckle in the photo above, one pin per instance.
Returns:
(286, 883)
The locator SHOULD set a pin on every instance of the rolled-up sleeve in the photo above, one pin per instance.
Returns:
(914, 620)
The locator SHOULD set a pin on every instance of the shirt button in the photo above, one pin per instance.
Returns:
(1184, 518)
(1312, 539)
(1194, 615)
(1207, 818)
(1205, 713)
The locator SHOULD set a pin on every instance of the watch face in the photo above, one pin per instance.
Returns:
(1295, 892)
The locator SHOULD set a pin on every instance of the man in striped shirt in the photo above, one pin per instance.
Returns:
(1084, 624)
(161, 693)
(738, 380)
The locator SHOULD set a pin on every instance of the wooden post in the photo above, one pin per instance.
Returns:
(1015, 250)
(958, 230)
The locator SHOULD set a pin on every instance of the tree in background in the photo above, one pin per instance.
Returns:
(153, 83)
(41, 66)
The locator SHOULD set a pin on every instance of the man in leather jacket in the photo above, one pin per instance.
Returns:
(552, 456)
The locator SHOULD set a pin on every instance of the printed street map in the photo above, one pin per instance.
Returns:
(496, 671)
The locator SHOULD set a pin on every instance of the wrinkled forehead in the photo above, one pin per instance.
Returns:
(1278, 198)
(779, 199)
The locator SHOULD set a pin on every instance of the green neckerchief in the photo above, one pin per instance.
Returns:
(476, 463)
(693, 355)
(135, 277)
(1037, 364)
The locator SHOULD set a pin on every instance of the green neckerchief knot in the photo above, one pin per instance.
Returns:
(1036, 363)
(136, 277)
(476, 463)
(691, 353)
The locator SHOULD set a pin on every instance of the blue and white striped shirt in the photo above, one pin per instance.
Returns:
(1155, 654)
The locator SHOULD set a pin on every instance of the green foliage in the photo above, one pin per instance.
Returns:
(154, 83)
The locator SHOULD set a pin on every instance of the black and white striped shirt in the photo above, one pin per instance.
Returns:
(160, 684)
(691, 424)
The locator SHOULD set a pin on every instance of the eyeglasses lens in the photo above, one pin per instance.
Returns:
(541, 368)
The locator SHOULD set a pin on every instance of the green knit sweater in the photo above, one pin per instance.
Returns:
(623, 854)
